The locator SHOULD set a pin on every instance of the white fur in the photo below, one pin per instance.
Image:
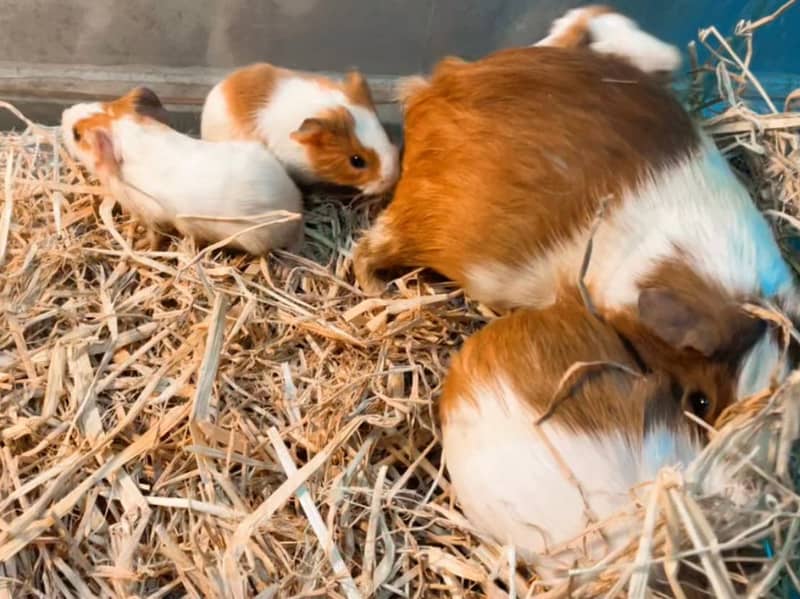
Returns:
(510, 484)
(613, 33)
(69, 117)
(215, 122)
(569, 20)
(294, 100)
(168, 177)
(697, 205)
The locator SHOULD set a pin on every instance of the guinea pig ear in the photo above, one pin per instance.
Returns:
(107, 158)
(310, 131)
(725, 332)
(677, 322)
(357, 89)
(744, 331)
(148, 104)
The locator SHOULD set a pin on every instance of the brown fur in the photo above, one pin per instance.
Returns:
(141, 103)
(82, 131)
(248, 89)
(577, 35)
(408, 87)
(691, 329)
(508, 154)
(330, 140)
(357, 90)
(91, 133)
(535, 348)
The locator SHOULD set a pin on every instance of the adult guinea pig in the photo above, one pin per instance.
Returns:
(320, 129)
(509, 159)
(209, 191)
(612, 428)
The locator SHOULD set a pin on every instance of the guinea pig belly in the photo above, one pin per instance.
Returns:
(141, 205)
(511, 477)
(256, 235)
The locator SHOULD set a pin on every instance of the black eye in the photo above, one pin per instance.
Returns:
(75, 134)
(699, 403)
(357, 161)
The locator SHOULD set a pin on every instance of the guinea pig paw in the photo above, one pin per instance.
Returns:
(366, 274)
(370, 284)
(153, 240)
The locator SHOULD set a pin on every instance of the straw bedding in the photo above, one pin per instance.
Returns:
(194, 423)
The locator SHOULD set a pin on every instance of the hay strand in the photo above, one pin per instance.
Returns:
(204, 423)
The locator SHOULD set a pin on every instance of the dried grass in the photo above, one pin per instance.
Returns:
(186, 423)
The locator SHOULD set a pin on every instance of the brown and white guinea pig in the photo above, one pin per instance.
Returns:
(322, 130)
(209, 191)
(604, 31)
(611, 429)
(507, 162)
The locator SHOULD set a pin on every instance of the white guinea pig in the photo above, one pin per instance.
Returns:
(613, 430)
(605, 31)
(209, 191)
(320, 129)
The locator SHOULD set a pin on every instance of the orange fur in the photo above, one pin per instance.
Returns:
(508, 156)
(330, 140)
(328, 135)
(246, 90)
(535, 348)
(141, 103)
(497, 164)
(407, 87)
(357, 90)
(82, 129)
(691, 329)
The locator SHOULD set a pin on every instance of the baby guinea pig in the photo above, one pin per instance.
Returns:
(603, 30)
(208, 191)
(320, 129)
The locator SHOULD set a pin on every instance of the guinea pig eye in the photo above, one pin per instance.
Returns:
(699, 403)
(75, 135)
(357, 161)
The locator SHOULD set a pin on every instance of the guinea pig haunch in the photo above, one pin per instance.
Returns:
(167, 180)
(320, 129)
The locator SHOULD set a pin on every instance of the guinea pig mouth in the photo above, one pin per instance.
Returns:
(377, 187)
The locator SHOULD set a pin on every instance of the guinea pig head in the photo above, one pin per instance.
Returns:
(691, 329)
(87, 128)
(347, 145)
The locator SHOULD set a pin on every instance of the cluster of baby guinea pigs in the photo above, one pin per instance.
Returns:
(263, 130)
(513, 163)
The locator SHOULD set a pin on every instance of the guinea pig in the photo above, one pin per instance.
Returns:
(209, 191)
(530, 459)
(320, 129)
(603, 30)
(508, 162)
